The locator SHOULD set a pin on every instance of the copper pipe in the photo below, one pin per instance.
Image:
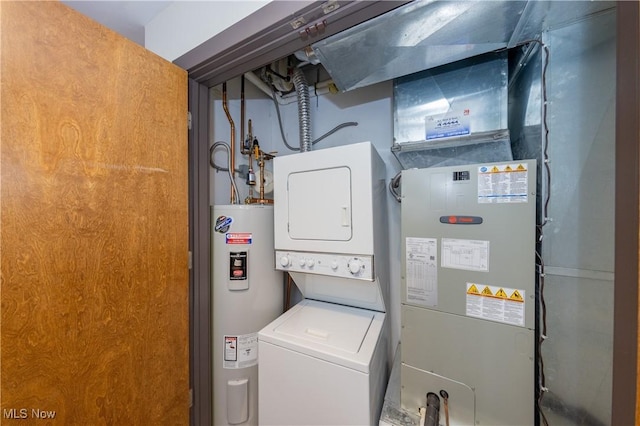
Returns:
(261, 157)
(445, 398)
(249, 200)
(261, 164)
(232, 143)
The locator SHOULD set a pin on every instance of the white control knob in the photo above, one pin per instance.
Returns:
(355, 265)
(334, 265)
(310, 263)
(284, 261)
(302, 262)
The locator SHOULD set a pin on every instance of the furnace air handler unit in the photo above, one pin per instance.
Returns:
(468, 291)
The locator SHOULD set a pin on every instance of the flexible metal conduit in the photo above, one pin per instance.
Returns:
(304, 113)
(232, 141)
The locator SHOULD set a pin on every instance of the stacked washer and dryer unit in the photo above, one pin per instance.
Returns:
(324, 361)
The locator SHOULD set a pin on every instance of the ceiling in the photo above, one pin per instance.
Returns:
(127, 18)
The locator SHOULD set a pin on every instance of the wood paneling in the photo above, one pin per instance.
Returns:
(94, 312)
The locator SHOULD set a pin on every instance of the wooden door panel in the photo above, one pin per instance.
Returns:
(94, 238)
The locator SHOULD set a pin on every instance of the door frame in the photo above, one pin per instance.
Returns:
(201, 64)
(624, 409)
(200, 371)
(260, 38)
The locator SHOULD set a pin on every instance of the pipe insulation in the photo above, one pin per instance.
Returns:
(258, 83)
(321, 88)
(432, 416)
(304, 110)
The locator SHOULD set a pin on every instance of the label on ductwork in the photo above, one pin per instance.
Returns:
(240, 351)
(447, 125)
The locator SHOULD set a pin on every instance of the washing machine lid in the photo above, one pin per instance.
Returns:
(341, 334)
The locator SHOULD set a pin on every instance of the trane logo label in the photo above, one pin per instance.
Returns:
(461, 220)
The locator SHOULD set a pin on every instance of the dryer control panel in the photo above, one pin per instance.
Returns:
(331, 264)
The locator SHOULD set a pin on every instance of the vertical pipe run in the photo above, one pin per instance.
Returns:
(242, 114)
(304, 114)
(432, 417)
(243, 151)
(232, 142)
(261, 164)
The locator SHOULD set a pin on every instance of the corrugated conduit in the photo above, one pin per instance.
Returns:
(304, 109)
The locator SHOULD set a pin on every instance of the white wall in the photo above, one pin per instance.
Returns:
(371, 107)
(183, 25)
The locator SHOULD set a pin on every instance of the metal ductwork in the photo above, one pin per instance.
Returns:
(425, 34)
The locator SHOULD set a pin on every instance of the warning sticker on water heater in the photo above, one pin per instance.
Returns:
(503, 183)
(421, 273)
(240, 351)
(238, 238)
(501, 304)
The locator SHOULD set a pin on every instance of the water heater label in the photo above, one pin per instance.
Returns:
(422, 271)
(223, 223)
(504, 183)
(238, 266)
(501, 304)
(239, 238)
(240, 351)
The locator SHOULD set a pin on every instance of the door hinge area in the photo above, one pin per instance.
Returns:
(189, 119)
(190, 398)
(190, 260)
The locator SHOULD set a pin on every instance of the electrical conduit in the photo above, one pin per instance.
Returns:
(304, 113)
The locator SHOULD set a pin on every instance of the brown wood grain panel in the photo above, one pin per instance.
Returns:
(93, 233)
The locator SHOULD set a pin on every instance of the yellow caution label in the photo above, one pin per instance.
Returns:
(508, 169)
(521, 167)
(495, 170)
(473, 289)
(501, 294)
(516, 296)
(493, 303)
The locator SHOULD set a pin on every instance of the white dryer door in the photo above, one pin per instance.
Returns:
(319, 204)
